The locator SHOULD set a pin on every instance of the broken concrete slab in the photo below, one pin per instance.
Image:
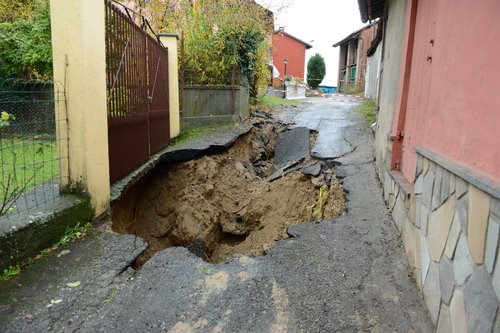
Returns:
(312, 170)
(291, 146)
(331, 142)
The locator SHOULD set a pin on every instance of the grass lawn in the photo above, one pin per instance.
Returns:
(25, 164)
(273, 102)
(369, 110)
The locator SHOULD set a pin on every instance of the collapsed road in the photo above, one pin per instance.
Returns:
(347, 273)
(240, 201)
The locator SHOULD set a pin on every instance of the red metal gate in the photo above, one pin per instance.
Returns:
(137, 92)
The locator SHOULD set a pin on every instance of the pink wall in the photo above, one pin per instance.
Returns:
(294, 51)
(453, 102)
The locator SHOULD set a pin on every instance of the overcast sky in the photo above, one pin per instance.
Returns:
(324, 22)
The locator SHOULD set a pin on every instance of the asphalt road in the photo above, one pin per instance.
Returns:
(348, 274)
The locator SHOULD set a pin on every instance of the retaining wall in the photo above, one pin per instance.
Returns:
(449, 221)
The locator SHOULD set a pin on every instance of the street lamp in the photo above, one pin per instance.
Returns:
(285, 61)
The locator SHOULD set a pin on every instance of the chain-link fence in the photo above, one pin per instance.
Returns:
(30, 154)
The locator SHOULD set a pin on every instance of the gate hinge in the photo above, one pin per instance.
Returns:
(398, 137)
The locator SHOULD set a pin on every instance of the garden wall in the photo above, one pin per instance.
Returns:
(209, 105)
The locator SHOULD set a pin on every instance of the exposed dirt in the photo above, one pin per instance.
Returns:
(221, 205)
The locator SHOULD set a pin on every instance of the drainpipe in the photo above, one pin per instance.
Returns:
(399, 125)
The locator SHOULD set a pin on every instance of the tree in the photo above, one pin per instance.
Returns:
(25, 40)
(316, 70)
(220, 38)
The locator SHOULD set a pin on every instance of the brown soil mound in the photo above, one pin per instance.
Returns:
(221, 205)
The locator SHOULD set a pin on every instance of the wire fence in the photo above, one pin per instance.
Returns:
(31, 154)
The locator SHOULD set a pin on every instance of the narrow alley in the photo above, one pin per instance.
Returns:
(346, 273)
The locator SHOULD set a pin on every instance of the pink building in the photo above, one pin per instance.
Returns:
(438, 153)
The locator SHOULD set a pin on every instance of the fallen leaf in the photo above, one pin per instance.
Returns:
(38, 257)
(63, 252)
(54, 301)
(207, 270)
(73, 284)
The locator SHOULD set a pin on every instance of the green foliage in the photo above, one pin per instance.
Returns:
(192, 133)
(13, 10)
(316, 70)
(221, 38)
(356, 90)
(5, 119)
(272, 102)
(71, 234)
(369, 110)
(25, 41)
(26, 163)
(10, 272)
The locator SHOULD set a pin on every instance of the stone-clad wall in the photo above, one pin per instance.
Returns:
(449, 222)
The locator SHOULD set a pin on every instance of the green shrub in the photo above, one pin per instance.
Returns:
(316, 70)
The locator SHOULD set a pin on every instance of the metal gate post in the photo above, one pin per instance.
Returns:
(79, 61)
(170, 42)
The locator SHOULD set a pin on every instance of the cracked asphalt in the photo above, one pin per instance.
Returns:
(348, 274)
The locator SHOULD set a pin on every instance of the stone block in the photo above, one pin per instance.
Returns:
(409, 242)
(436, 193)
(444, 322)
(425, 166)
(495, 279)
(410, 212)
(391, 201)
(446, 280)
(425, 257)
(480, 302)
(424, 219)
(463, 212)
(419, 185)
(399, 213)
(432, 292)
(479, 209)
(457, 313)
(496, 326)
(418, 210)
(461, 187)
(462, 263)
(451, 242)
(439, 225)
(427, 190)
(420, 165)
(453, 183)
(418, 255)
(387, 187)
(445, 186)
(495, 207)
(491, 242)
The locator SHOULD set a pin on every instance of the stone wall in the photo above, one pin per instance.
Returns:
(449, 221)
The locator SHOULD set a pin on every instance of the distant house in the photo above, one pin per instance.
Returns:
(290, 50)
(352, 56)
